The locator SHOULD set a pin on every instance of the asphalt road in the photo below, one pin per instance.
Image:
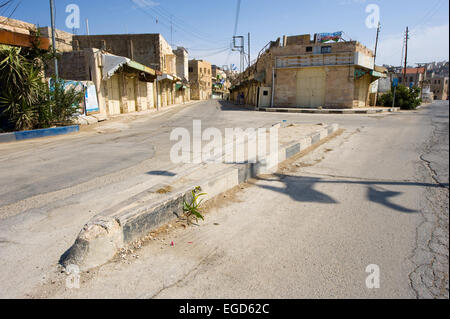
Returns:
(378, 194)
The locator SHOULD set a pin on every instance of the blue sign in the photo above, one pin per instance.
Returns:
(395, 82)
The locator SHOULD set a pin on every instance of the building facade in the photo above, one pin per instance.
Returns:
(151, 50)
(220, 83)
(122, 85)
(200, 79)
(183, 92)
(413, 77)
(301, 71)
(439, 88)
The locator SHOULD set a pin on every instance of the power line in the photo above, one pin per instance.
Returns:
(213, 54)
(172, 24)
(238, 11)
(7, 5)
(180, 22)
(430, 14)
(236, 22)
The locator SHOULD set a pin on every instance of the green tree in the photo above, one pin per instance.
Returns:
(405, 98)
(26, 101)
(21, 89)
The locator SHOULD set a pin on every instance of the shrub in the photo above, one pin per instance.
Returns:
(26, 102)
(405, 98)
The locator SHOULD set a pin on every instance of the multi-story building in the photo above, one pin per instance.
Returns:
(439, 88)
(311, 73)
(182, 66)
(220, 82)
(200, 79)
(151, 50)
(413, 77)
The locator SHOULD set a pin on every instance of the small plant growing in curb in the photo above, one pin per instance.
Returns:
(192, 210)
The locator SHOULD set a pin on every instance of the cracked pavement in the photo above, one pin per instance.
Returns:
(376, 194)
(430, 278)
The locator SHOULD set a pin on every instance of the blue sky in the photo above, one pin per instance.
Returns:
(205, 27)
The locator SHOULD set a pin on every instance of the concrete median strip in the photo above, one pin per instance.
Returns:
(26, 135)
(330, 111)
(103, 236)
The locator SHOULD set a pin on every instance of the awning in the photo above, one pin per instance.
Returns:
(112, 63)
(378, 74)
(180, 86)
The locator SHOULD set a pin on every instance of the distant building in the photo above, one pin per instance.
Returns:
(200, 78)
(310, 72)
(414, 77)
(439, 88)
(182, 68)
(220, 82)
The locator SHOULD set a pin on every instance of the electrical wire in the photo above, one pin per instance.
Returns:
(7, 5)
(167, 20)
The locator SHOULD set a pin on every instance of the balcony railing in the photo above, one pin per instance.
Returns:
(311, 60)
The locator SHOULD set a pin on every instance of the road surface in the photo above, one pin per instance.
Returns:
(375, 195)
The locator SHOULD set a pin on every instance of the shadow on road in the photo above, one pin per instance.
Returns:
(301, 189)
(161, 173)
(231, 106)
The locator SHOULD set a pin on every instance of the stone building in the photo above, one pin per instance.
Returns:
(220, 83)
(200, 79)
(439, 88)
(22, 34)
(151, 50)
(182, 69)
(302, 71)
(413, 77)
(63, 39)
(122, 85)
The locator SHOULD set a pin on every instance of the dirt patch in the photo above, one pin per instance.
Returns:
(165, 190)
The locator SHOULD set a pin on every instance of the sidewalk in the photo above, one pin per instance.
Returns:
(132, 219)
(96, 118)
(372, 110)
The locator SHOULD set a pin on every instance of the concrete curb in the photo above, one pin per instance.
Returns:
(329, 111)
(102, 237)
(26, 135)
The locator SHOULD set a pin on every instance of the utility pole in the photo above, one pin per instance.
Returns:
(249, 63)
(171, 32)
(406, 56)
(52, 16)
(239, 48)
(376, 42)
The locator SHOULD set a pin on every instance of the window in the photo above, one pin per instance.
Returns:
(266, 93)
(191, 69)
(325, 49)
(308, 49)
(209, 71)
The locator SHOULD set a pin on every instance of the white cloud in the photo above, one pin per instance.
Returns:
(145, 3)
(425, 45)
